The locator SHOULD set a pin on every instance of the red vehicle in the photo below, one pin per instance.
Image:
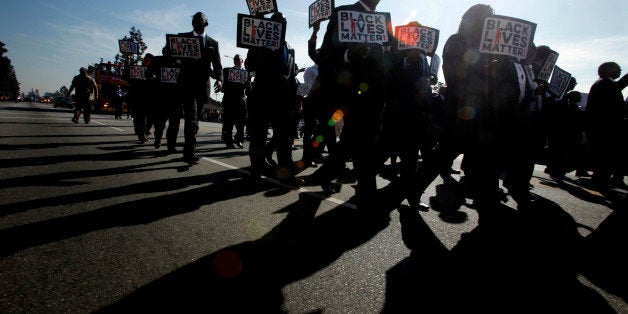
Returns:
(108, 76)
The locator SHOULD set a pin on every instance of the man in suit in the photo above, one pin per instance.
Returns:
(234, 105)
(272, 100)
(605, 117)
(352, 77)
(194, 78)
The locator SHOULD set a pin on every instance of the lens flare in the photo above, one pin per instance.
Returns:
(317, 142)
(466, 113)
(228, 264)
(338, 115)
(364, 87)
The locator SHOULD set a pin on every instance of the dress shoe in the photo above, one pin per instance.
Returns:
(270, 161)
(328, 188)
(618, 183)
(157, 144)
(239, 145)
(293, 181)
(75, 120)
(415, 203)
(582, 173)
(191, 159)
(454, 171)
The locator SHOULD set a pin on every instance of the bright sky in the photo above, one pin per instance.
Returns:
(49, 40)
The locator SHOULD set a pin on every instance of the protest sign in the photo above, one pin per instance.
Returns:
(417, 37)
(237, 76)
(137, 72)
(184, 46)
(560, 82)
(261, 6)
(260, 32)
(435, 65)
(548, 67)
(170, 75)
(363, 27)
(503, 35)
(129, 47)
(320, 11)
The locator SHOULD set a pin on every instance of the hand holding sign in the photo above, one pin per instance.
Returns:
(320, 10)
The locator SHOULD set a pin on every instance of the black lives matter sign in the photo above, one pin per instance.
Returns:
(435, 65)
(548, 67)
(128, 47)
(170, 75)
(184, 47)
(237, 76)
(417, 37)
(363, 27)
(137, 72)
(503, 35)
(260, 32)
(560, 82)
(262, 6)
(320, 10)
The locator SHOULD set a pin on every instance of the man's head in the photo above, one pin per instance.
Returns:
(237, 60)
(83, 71)
(371, 3)
(574, 97)
(199, 22)
(473, 20)
(148, 58)
(278, 17)
(609, 69)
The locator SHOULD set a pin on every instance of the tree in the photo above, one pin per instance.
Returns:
(8, 81)
(132, 59)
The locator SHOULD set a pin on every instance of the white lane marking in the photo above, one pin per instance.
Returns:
(214, 161)
(57, 118)
(109, 126)
(303, 190)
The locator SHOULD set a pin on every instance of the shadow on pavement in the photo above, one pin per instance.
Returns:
(249, 277)
(519, 264)
(218, 187)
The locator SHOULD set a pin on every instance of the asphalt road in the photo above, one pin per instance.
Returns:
(91, 220)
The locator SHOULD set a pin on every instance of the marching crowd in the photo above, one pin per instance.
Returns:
(369, 103)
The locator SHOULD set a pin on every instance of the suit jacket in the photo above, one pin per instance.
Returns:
(234, 92)
(332, 52)
(333, 68)
(605, 107)
(275, 78)
(208, 66)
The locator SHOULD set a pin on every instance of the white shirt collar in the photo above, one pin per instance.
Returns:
(197, 34)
